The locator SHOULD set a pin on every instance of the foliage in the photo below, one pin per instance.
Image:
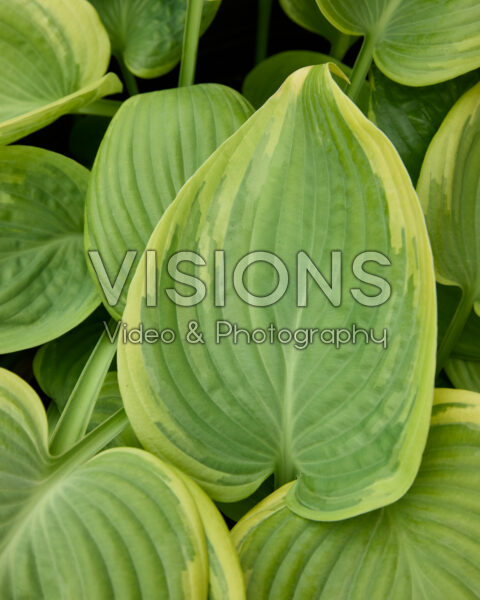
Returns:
(245, 307)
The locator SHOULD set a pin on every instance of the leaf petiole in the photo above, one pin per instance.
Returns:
(191, 37)
(73, 423)
(454, 331)
(362, 67)
(92, 443)
(128, 77)
(263, 29)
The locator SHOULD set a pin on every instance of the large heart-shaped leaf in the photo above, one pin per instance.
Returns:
(147, 35)
(266, 77)
(427, 545)
(414, 43)
(53, 58)
(153, 145)
(119, 525)
(45, 286)
(448, 189)
(307, 175)
(411, 116)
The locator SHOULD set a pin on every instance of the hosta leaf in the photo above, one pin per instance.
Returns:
(307, 172)
(426, 545)
(154, 144)
(411, 116)
(225, 574)
(307, 14)
(449, 191)
(53, 58)
(45, 287)
(414, 43)
(119, 525)
(265, 79)
(147, 35)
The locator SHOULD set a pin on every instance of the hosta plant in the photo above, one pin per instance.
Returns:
(219, 347)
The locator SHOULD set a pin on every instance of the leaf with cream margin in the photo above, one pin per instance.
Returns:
(147, 35)
(266, 77)
(449, 192)
(119, 524)
(426, 545)
(154, 144)
(45, 286)
(53, 59)
(414, 43)
(308, 172)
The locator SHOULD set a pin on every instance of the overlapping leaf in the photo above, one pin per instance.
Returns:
(265, 79)
(448, 189)
(424, 546)
(53, 59)
(45, 287)
(414, 43)
(119, 525)
(154, 144)
(307, 172)
(147, 34)
(411, 116)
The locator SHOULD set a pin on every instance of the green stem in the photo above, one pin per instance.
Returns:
(285, 472)
(362, 67)
(191, 37)
(73, 423)
(101, 108)
(341, 46)
(91, 444)
(263, 29)
(128, 78)
(454, 331)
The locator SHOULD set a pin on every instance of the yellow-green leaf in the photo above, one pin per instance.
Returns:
(45, 286)
(413, 42)
(307, 172)
(53, 59)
